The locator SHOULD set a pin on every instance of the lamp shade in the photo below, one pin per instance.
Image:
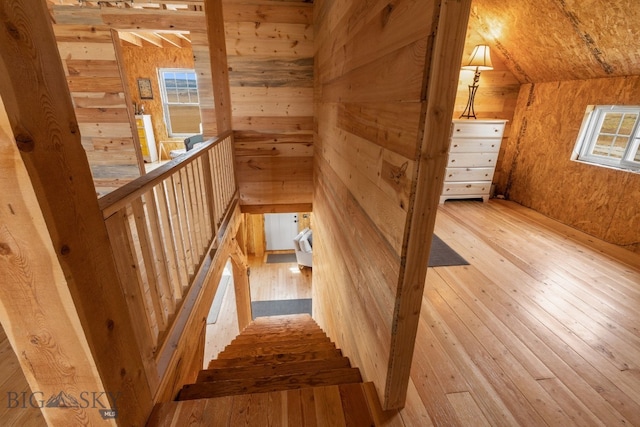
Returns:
(480, 59)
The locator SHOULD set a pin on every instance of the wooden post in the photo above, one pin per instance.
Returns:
(75, 242)
(443, 80)
(241, 286)
(219, 68)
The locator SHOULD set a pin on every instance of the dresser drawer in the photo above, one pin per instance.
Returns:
(472, 160)
(474, 145)
(466, 188)
(477, 129)
(468, 174)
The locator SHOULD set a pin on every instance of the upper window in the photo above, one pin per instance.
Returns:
(180, 100)
(610, 136)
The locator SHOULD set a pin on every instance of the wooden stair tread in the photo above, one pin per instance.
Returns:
(204, 390)
(258, 371)
(266, 346)
(298, 347)
(269, 329)
(273, 358)
(269, 337)
(300, 407)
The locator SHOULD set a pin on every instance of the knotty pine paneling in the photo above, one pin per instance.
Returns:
(90, 63)
(370, 112)
(600, 201)
(270, 58)
(85, 42)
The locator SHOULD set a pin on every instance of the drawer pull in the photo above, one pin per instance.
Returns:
(468, 185)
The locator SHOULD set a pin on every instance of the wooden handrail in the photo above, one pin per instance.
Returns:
(162, 227)
(111, 203)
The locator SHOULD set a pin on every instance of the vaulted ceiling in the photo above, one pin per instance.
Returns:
(556, 40)
(538, 40)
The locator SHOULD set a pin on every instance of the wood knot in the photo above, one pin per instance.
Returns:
(5, 250)
(65, 250)
(13, 31)
(25, 143)
(110, 324)
(386, 13)
(397, 173)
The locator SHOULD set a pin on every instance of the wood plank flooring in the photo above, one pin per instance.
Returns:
(543, 328)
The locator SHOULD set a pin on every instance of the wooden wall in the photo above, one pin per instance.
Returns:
(98, 93)
(270, 59)
(370, 84)
(84, 38)
(143, 62)
(600, 201)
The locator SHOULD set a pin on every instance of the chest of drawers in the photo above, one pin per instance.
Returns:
(472, 159)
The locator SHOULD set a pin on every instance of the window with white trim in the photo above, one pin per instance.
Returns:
(610, 136)
(180, 101)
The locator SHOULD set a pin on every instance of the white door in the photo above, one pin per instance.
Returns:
(280, 229)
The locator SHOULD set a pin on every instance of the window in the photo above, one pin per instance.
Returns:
(180, 100)
(610, 136)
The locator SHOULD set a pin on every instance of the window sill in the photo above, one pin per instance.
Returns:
(616, 168)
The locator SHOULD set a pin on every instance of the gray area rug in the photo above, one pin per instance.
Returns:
(280, 307)
(443, 256)
(278, 258)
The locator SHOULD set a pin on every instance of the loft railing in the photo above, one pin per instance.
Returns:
(161, 226)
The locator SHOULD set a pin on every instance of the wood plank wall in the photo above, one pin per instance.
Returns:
(143, 62)
(83, 34)
(369, 79)
(270, 59)
(600, 201)
(89, 59)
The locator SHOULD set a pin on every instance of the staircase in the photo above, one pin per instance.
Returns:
(280, 371)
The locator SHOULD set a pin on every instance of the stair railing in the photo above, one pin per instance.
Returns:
(161, 226)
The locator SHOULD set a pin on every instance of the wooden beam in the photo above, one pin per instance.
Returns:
(151, 38)
(130, 38)
(40, 111)
(442, 77)
(219, 69)
(171, 39)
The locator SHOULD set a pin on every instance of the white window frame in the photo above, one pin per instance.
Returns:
(591, 125)
(166, 103)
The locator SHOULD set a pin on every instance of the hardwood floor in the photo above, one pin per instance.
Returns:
(268, 282)
(543, 328)
(278, 281)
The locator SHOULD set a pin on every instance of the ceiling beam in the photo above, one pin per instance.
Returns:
(130, 38)
(171, 39)
(150, 38)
